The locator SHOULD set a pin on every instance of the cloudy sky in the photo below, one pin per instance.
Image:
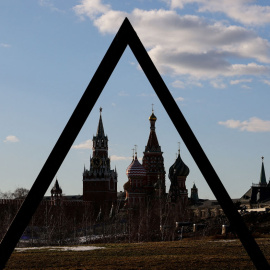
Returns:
(214, 57)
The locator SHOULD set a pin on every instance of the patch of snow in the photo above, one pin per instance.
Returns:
(77, 248)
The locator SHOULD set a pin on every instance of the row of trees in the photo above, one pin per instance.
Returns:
(18, 193)
(74, 223)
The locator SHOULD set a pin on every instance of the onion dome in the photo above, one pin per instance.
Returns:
(56, 188)
(152, 117)
(179, 168)
(135, 168)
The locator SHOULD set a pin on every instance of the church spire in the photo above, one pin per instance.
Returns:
(262, 176)
(152, 144)
(100, 129)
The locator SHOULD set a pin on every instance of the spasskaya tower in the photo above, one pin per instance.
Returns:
(100, 182)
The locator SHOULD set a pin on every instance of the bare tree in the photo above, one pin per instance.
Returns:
(20, 193)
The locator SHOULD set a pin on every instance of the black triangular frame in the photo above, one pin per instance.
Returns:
(125, 36)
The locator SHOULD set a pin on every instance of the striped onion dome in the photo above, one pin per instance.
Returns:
(135, 168)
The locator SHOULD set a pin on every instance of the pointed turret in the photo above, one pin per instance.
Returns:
(152, 144)
(100, 129)
(100, 141)
(56, 188)
(194, 194)
(56, 194)
(262, 176)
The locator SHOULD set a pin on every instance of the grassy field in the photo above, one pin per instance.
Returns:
(185, 254)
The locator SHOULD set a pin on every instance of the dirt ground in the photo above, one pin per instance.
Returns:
(205, 253)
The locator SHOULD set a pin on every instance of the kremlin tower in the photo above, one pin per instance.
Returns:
(100, 182)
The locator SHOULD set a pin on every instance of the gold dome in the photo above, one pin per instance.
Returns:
(152, 117)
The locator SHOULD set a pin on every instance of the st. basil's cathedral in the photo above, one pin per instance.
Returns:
(146, 181)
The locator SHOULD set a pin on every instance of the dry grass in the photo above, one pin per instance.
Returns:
(185, 254)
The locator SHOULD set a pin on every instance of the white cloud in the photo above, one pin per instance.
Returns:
(5, 45)
(84, 145)
(123, 94)
(240, 81)
(189, 81)
(11, 139)
(49, 4)
(178, 84)
(196, 83)
(254, 124)
(113, 104)
(266, 82)
(249, 69)
(239, 10)
(245, 86)
(91, 8)
(187, 44)
(179, 99)
(218, 84)
(146, 95)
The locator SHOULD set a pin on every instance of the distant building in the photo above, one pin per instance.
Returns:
(261, 191)
(194, 196)
(56, 194)
(257, 198)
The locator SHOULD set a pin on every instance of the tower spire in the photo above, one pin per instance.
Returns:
(152, 144)
(100, 129)
(262, 176)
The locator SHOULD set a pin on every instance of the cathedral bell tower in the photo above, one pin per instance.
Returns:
(153, 160)
(100, 182)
